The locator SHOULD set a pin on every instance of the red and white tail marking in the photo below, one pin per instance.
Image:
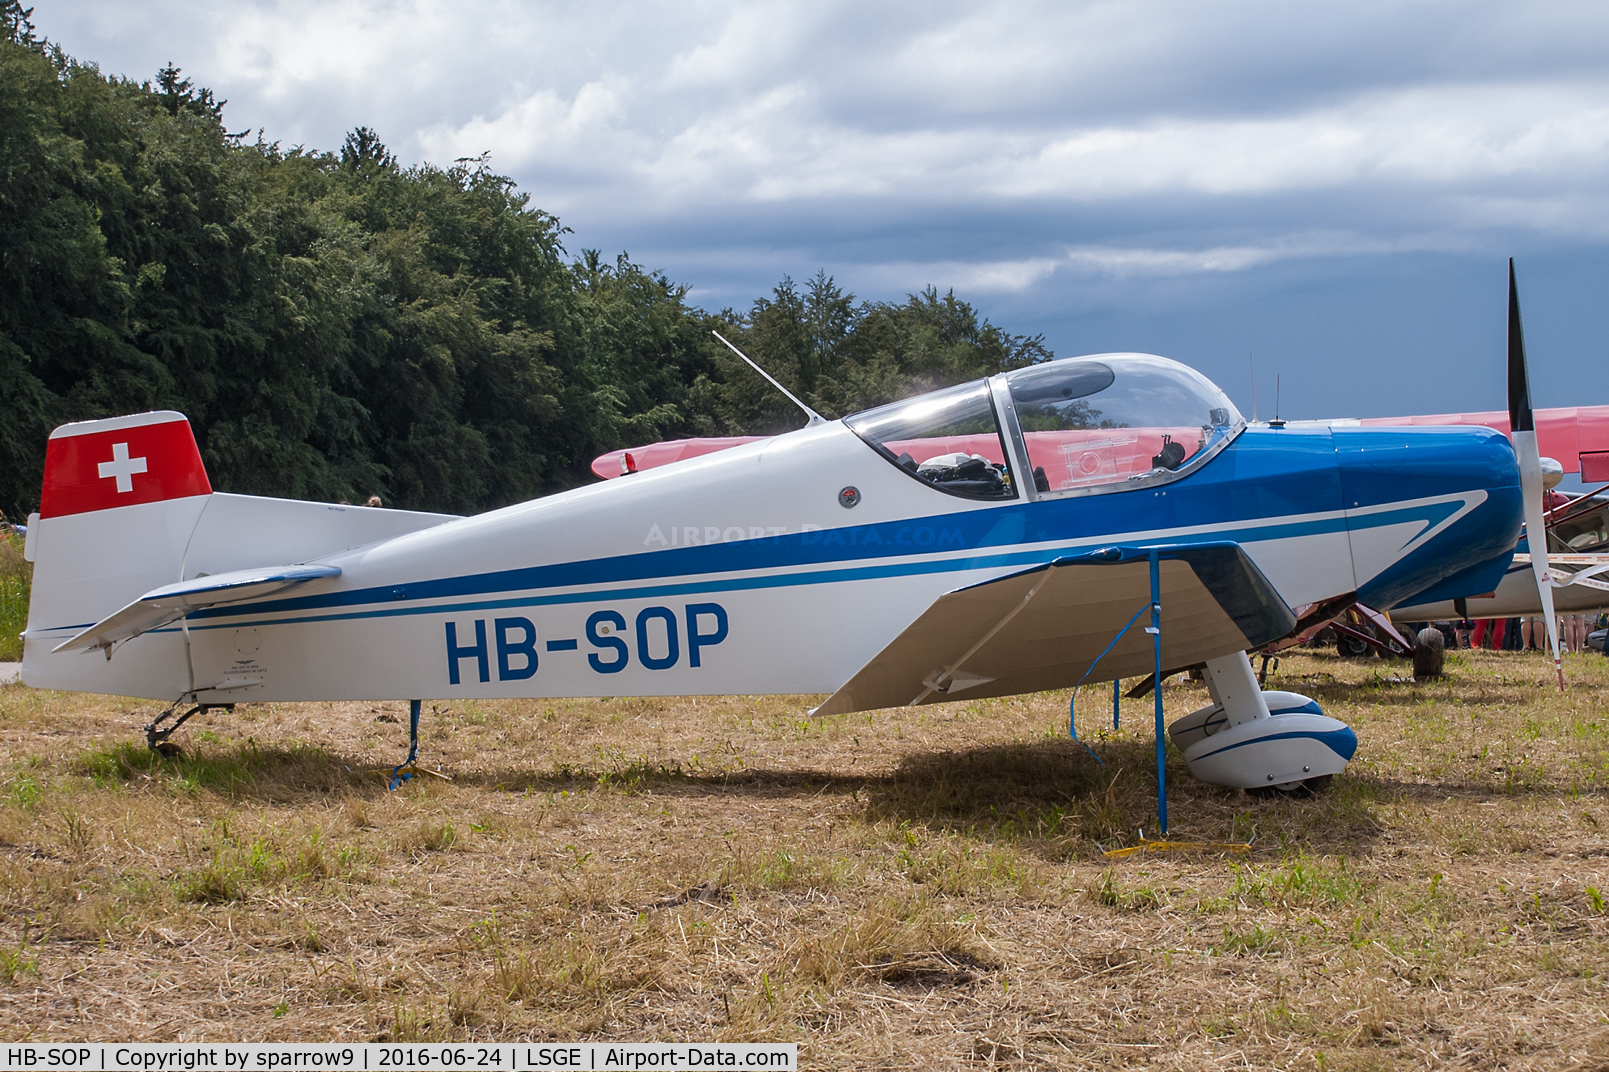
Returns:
(122, 461)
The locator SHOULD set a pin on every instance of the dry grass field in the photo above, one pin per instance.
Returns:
(911, 888)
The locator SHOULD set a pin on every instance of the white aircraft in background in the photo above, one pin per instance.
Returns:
(999, 537)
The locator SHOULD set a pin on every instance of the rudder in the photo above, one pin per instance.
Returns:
(120, 500)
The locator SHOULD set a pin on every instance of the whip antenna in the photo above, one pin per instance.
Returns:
(815, 418)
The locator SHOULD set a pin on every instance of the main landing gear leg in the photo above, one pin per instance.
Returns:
(402, 773)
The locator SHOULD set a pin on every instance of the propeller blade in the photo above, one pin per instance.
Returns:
(1522, 432)
(1521, 418)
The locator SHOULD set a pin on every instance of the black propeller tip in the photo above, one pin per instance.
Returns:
(1520, 417)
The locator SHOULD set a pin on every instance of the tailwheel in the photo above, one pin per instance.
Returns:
(156, 735)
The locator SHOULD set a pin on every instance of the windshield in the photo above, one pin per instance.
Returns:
(1116, 419)
(949, 439)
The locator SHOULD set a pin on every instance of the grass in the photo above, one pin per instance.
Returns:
(16, 576)
(912, 887)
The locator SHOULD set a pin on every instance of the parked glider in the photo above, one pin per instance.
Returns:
(982, 540)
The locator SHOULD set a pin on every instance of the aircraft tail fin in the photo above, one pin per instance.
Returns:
(120, 500)
(121, 461)
(130, 538)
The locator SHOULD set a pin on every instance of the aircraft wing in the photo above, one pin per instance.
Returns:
(165, 605)
(1042, 628)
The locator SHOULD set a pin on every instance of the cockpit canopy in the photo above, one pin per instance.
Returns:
(1081, 425)
(948, 438)
(1088, 421)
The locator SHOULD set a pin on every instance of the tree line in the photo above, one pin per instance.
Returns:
(337, 325)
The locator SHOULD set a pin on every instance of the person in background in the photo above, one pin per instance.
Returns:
(1495, 626)
(1574, 634)
(374, 500)
(1461, 630)
(1533, 634)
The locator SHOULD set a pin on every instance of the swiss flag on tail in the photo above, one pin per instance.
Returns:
(121, 461)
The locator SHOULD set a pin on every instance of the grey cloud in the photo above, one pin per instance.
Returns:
(939, 102)
(1075, 164)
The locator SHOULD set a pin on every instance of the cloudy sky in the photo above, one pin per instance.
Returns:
(1331, 188)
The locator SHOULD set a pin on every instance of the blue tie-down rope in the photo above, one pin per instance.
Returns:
(398, 776)
(1072, 701)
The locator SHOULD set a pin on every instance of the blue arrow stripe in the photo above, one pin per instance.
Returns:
(1343, 742)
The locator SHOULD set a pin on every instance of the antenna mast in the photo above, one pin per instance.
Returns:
(815, 418)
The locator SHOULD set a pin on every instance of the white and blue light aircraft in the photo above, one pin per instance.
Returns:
(983, 540)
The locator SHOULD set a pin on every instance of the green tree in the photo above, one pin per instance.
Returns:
(15, 25)
(841, 357)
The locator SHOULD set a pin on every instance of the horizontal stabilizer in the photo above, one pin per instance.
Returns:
(1042, 628)
(165, 605)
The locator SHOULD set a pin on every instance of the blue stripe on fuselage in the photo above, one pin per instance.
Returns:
(1251, 492)
(1256, 484)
